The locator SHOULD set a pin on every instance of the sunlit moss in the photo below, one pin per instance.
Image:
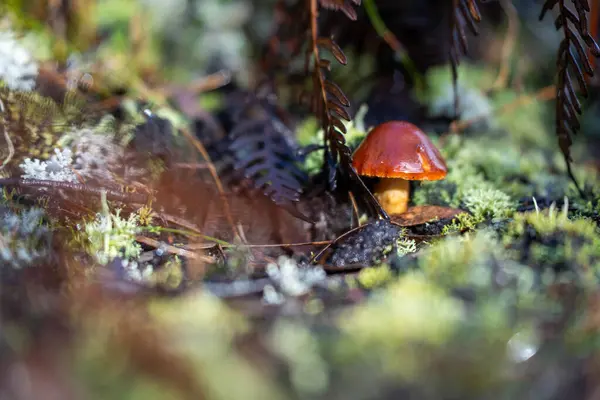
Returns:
(561, 247)
(202, 329)
(488, 203)
(489, 165)
(295, 343)
(374, 276)
(396, 326)
(170, 275)
(461, 223)
(462, 261)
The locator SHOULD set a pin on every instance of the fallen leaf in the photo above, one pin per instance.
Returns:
(419, 215)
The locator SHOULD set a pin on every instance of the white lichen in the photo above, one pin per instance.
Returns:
(18, 69)
(136, 272)
(405, 246)
(23, 238)
(57, 168)
(290, 279)
(95, 154)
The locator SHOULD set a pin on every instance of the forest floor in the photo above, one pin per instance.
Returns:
(189, 245)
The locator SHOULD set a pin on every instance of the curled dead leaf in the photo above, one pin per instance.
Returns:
(419, 215)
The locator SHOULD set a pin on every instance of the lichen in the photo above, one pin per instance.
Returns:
(109, 236)
(18, 69)
(24, 238)
(57, 168)
(290, 279)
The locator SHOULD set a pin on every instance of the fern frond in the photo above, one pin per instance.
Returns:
(328, 102)
(263, 155)
(465, 14)
(573, 63)
(257, 154)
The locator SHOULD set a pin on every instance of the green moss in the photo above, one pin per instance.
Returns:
(488, 204)
(373, 277)
(202, 329)
(398, 325)
(461, 223)
(309, 373)
(488, 166)
(462, 261)
(561, 247)
(170, 275)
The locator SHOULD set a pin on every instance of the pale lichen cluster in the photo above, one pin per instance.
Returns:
(18, 67)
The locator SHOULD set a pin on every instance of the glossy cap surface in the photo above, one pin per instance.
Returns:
(399, 149)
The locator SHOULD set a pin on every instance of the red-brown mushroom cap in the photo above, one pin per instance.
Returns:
(399, 149)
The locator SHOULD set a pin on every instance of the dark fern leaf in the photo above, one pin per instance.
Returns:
(573, 63)
(327, 100)
(262, 153)
(465, 14)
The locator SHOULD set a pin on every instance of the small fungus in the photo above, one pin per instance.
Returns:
(398, 152)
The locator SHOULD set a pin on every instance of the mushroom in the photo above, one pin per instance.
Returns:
(398, 152)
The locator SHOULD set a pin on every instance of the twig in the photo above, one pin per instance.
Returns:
(203, 84)
(354, 208)
(111, 194)
(198, 246)
(509, 43)
(213, 171)
(9, 143)
(544, 94)
(392, 41)
(191, 165)
(594, 22)
(172, 249)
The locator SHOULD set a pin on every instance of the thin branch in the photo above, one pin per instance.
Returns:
(174, 250)
(9, 143)
(213, 171)
(509, 43)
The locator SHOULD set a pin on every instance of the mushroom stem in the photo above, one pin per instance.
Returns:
(393, 194)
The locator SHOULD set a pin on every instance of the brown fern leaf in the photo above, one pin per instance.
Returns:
(346, 6)
(328, 101)
(571, 65)
(465, 14)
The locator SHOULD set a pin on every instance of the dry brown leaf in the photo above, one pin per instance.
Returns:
(419, 215)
